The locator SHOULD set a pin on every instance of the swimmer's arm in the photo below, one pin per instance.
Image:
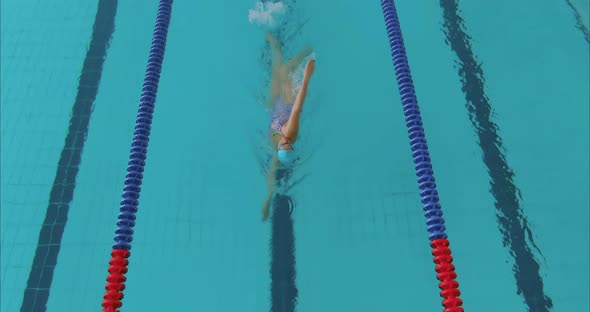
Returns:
(272, 174)
(292, 127)
(271, 178)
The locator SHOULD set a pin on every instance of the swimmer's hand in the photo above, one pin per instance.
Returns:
(309, 68)
(266, 208)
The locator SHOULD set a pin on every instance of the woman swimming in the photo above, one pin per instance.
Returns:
(286, 108)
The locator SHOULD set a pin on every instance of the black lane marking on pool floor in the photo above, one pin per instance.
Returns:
(579, 21)
(284, 292)
(517, 235)
(282, 269)
(40, 278)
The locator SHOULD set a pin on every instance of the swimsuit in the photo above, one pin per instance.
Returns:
(280, 115)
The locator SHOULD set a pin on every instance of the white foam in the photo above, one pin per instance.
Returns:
(266, 13)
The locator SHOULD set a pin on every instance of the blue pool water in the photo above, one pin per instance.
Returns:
(503, 89)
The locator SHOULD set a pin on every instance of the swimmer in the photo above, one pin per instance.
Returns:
(286, 108)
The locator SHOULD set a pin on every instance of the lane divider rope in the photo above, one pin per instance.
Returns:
(126, 219)
(426, 182)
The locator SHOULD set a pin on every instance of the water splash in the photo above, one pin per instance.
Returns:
(266, 14)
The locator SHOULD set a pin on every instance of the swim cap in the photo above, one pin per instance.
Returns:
(286, 157)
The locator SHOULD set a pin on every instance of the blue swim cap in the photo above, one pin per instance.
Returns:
(286, 157)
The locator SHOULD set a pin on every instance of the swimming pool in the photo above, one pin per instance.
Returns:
(357, 227)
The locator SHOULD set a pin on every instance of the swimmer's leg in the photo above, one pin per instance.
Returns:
(295, 61)
(277, 59)
(275, 89)
(277, 55)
